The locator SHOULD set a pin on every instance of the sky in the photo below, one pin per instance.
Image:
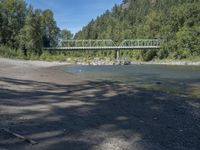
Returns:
(74, 14)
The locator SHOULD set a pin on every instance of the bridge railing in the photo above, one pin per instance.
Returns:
(86, 43)
(141, 42)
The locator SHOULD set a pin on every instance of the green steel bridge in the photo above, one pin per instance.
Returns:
(76, 45)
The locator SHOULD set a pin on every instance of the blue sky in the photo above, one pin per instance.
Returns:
(74, 14)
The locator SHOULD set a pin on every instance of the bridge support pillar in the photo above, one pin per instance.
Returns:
(117, 54)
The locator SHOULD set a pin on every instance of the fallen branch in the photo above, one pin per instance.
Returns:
(20, 137)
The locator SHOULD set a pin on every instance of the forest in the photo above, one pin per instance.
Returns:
(24, 31)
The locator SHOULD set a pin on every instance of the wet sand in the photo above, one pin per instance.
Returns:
(60, 111)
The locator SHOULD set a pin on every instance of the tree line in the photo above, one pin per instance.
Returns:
(176, 22)
(26, 30)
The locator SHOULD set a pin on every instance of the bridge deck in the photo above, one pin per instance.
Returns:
(104, 48)
(138, 44)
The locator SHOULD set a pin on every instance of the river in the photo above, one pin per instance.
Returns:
(181, 80)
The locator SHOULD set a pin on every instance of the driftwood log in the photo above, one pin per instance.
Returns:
(20, 137)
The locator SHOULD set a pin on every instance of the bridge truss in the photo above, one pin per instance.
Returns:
(107, 44)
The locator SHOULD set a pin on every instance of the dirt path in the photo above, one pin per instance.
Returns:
(59, 111)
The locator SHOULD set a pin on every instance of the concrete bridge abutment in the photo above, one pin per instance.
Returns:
(117, 54)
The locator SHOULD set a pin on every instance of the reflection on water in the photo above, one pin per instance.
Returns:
(184, 80)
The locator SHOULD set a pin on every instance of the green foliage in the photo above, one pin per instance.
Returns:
(66, 34)
(12, 14)
(186, 42)
(30, 36)
(50, 29)
(183, 31)
(178, 22)
(50, 56)
(8, 52)
(26, 29)
(163, 53)
(147, 55)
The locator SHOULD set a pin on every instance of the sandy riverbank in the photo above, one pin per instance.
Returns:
(60, 111)
(35, 70)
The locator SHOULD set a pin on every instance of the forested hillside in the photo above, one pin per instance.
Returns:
(24, 31)
(175, 21)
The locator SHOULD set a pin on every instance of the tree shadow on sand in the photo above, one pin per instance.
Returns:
(96, 115)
